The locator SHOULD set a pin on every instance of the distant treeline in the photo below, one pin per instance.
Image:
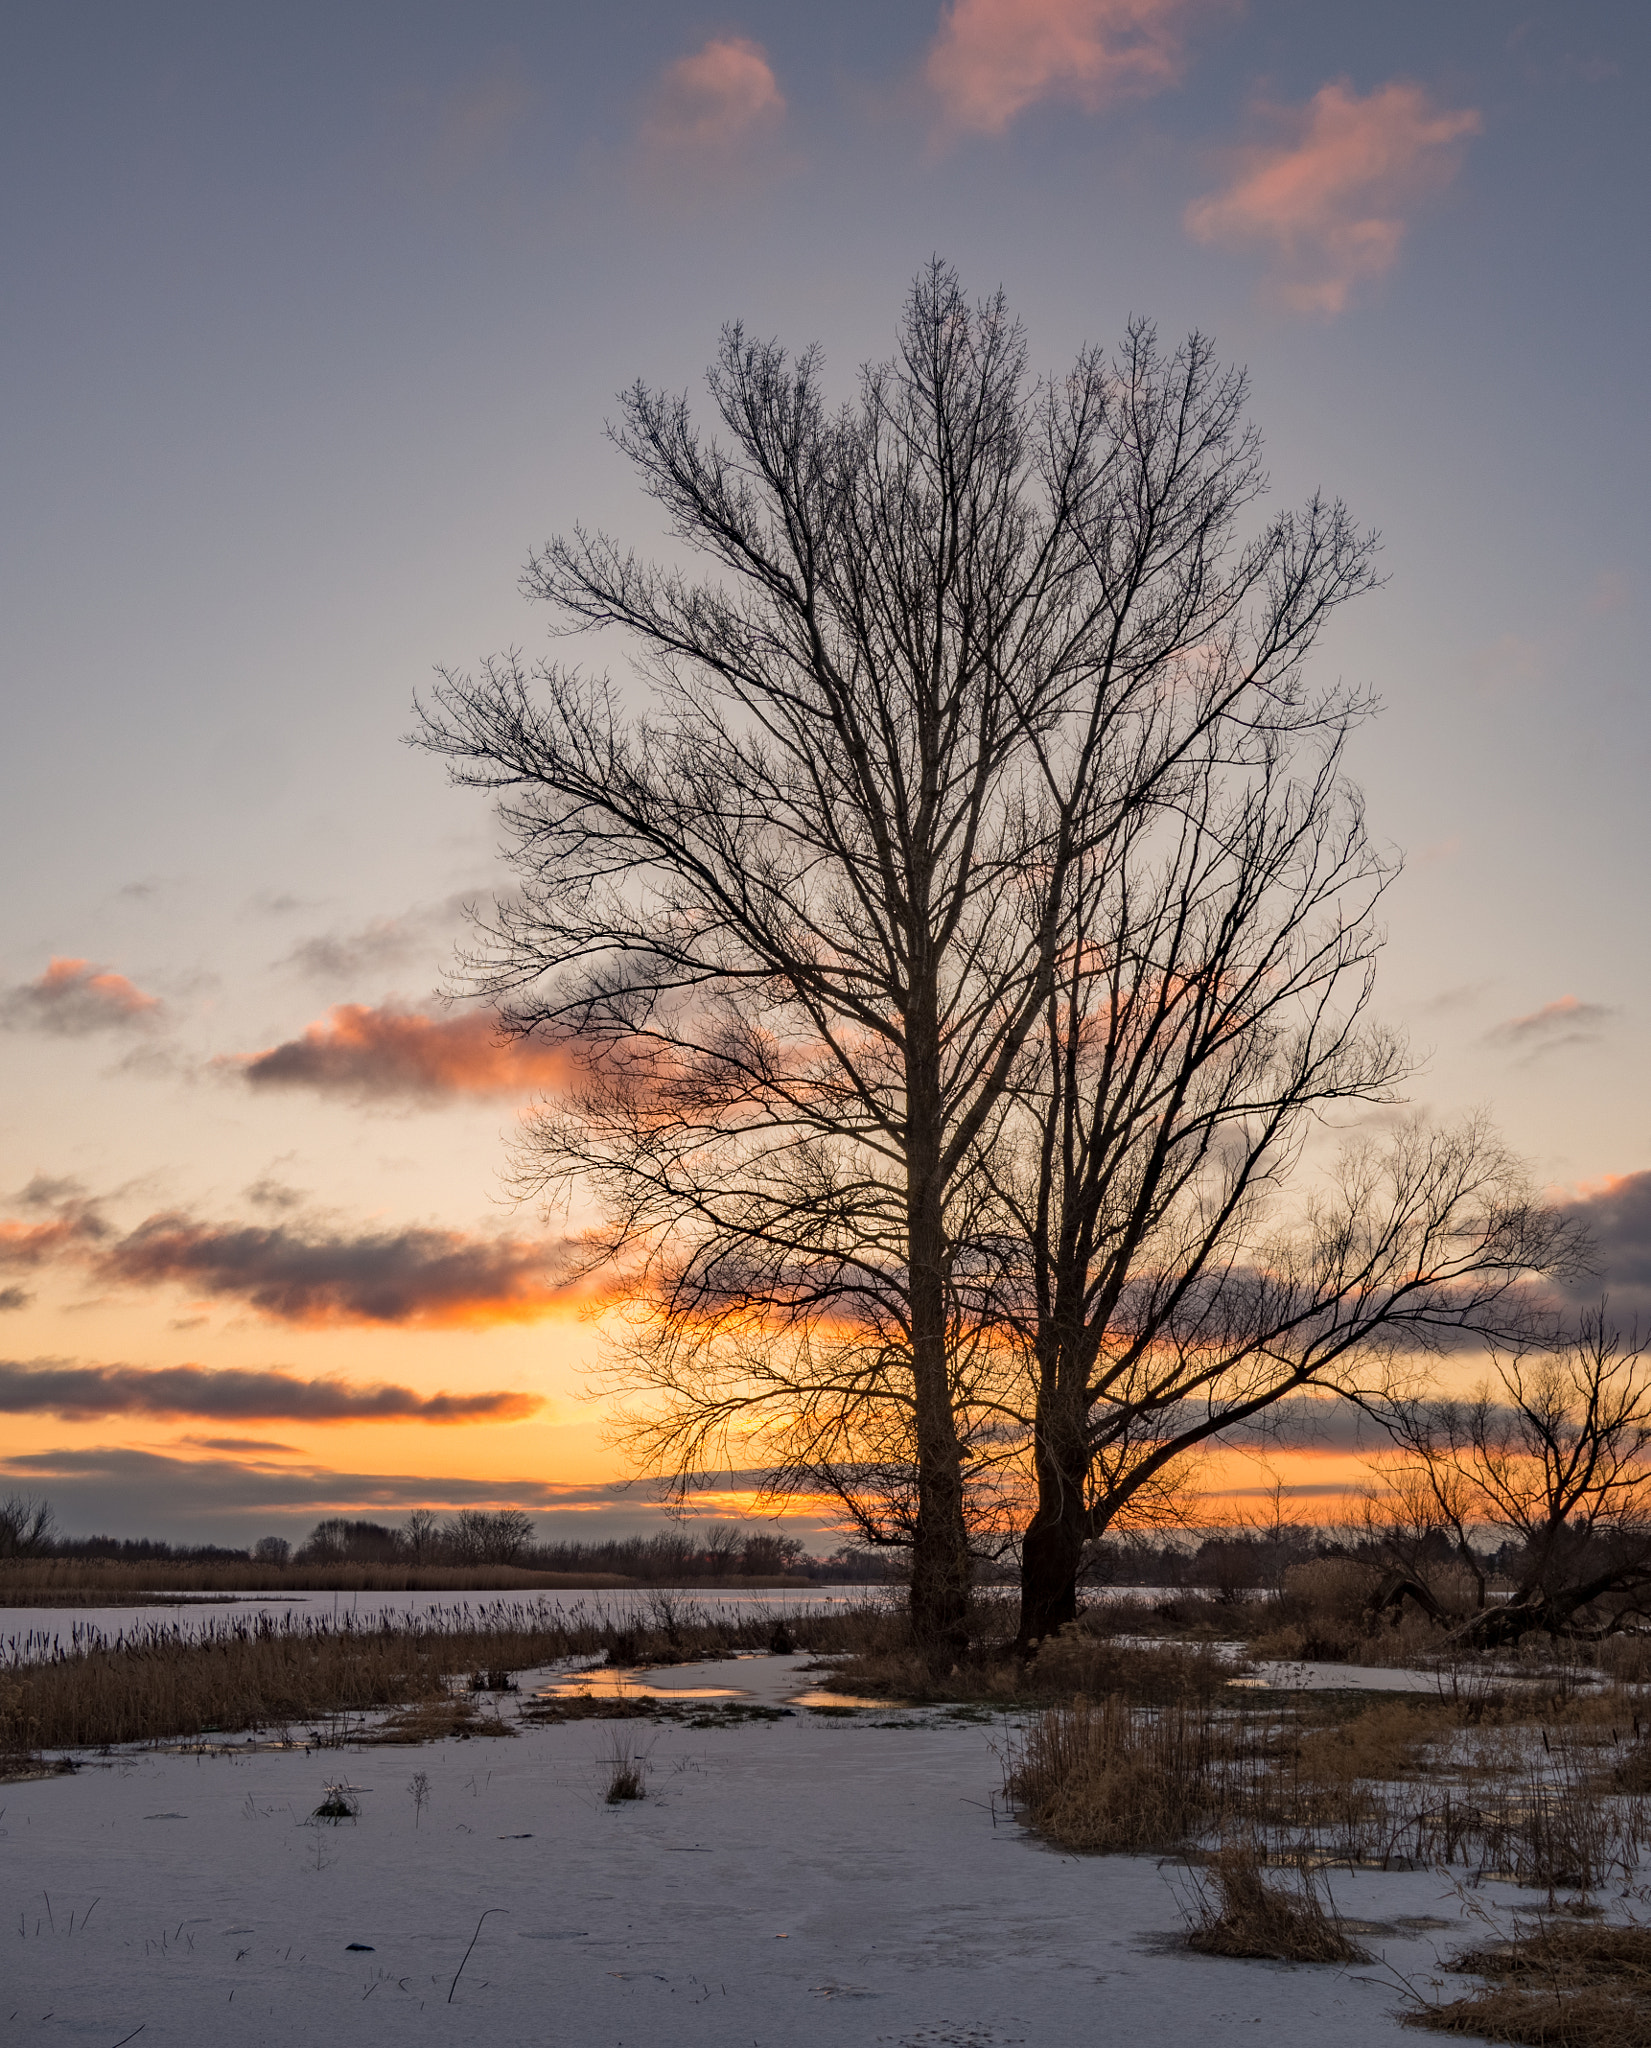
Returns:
(1253, 1560)
(472, 1539)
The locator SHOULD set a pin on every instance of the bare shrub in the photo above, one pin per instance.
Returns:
(1240, 1912)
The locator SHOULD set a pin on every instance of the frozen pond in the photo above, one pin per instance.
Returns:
(808, 1882)
(30, 1632)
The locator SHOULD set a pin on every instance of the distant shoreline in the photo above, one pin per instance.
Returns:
(79, 1582)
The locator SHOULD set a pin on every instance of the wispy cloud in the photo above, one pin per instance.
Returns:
(381, 946)
(478, 119)
(992, 59)
(1556, 1025)
(390, 1054)
(85, 1392)
(74, 997)
(1331, 198)
(710, 105)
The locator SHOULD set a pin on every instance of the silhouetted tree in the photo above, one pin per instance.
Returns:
(798, 922)
(1552, 1455)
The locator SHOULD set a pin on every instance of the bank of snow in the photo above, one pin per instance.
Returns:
(803, 1883)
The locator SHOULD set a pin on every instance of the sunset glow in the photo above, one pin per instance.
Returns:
(321, 334)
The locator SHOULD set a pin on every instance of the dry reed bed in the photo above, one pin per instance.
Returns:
(1115, 1777)
(160, 1683)
(96, 1582)
(1555, 1983)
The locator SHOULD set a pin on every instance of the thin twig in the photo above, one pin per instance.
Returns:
(459, 1972)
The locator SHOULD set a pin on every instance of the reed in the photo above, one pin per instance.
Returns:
(161, 1682)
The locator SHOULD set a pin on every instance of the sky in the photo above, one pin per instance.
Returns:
(314, 315)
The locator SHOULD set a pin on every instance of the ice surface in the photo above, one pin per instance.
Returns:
(802, 1883)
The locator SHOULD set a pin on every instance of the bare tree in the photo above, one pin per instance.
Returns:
(1199, 1323)
(27, 1526)
(1552, 1453)
(797, 924)
(487, 1535)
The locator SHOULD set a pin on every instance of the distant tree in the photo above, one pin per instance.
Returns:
(768, 1556)
(26, 1526)
(341, 1540)
(421, 1537)
(483, 1536)
(271, 1550)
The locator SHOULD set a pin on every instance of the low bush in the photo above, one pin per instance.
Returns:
(1107, 1779)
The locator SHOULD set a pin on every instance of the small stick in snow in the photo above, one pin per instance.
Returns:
(459, 1972)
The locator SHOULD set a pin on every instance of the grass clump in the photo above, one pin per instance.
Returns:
(1558, 1984)
(339, 1804)
(1107, 1779)
(1242, 1912)
(1083, 1659)
(625, 1772)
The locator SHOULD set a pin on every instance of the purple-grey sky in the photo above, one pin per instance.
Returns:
(312, 318)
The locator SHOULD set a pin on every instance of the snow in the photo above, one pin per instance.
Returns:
(811, 1882)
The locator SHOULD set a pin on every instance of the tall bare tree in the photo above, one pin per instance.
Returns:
(798, 921)
(1167, 1276)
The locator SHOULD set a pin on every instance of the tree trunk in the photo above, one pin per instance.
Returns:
(940, 1569)
(1052, 1548)
(940, 1566)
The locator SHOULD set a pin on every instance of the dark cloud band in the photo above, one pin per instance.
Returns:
(419, 1276)
(84, 1392)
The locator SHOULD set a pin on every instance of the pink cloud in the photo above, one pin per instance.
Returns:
(1559, 1024)
(712, 102)
(73, 997)
(392, 1054)
(991, 59)
(1330, 198)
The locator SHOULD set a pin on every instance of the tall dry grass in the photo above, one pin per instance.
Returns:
(161, 1683)
(101, 1582)
(1116, 1777)
(1556, 1984)
(1240, 1911)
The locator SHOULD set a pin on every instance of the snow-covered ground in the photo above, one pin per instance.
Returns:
(809, 1882)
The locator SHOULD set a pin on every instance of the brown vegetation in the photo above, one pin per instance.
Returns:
(1297, 1779)
(161, 1683)
(1558, 1984)
(99, 1582)
(1240, 1912)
